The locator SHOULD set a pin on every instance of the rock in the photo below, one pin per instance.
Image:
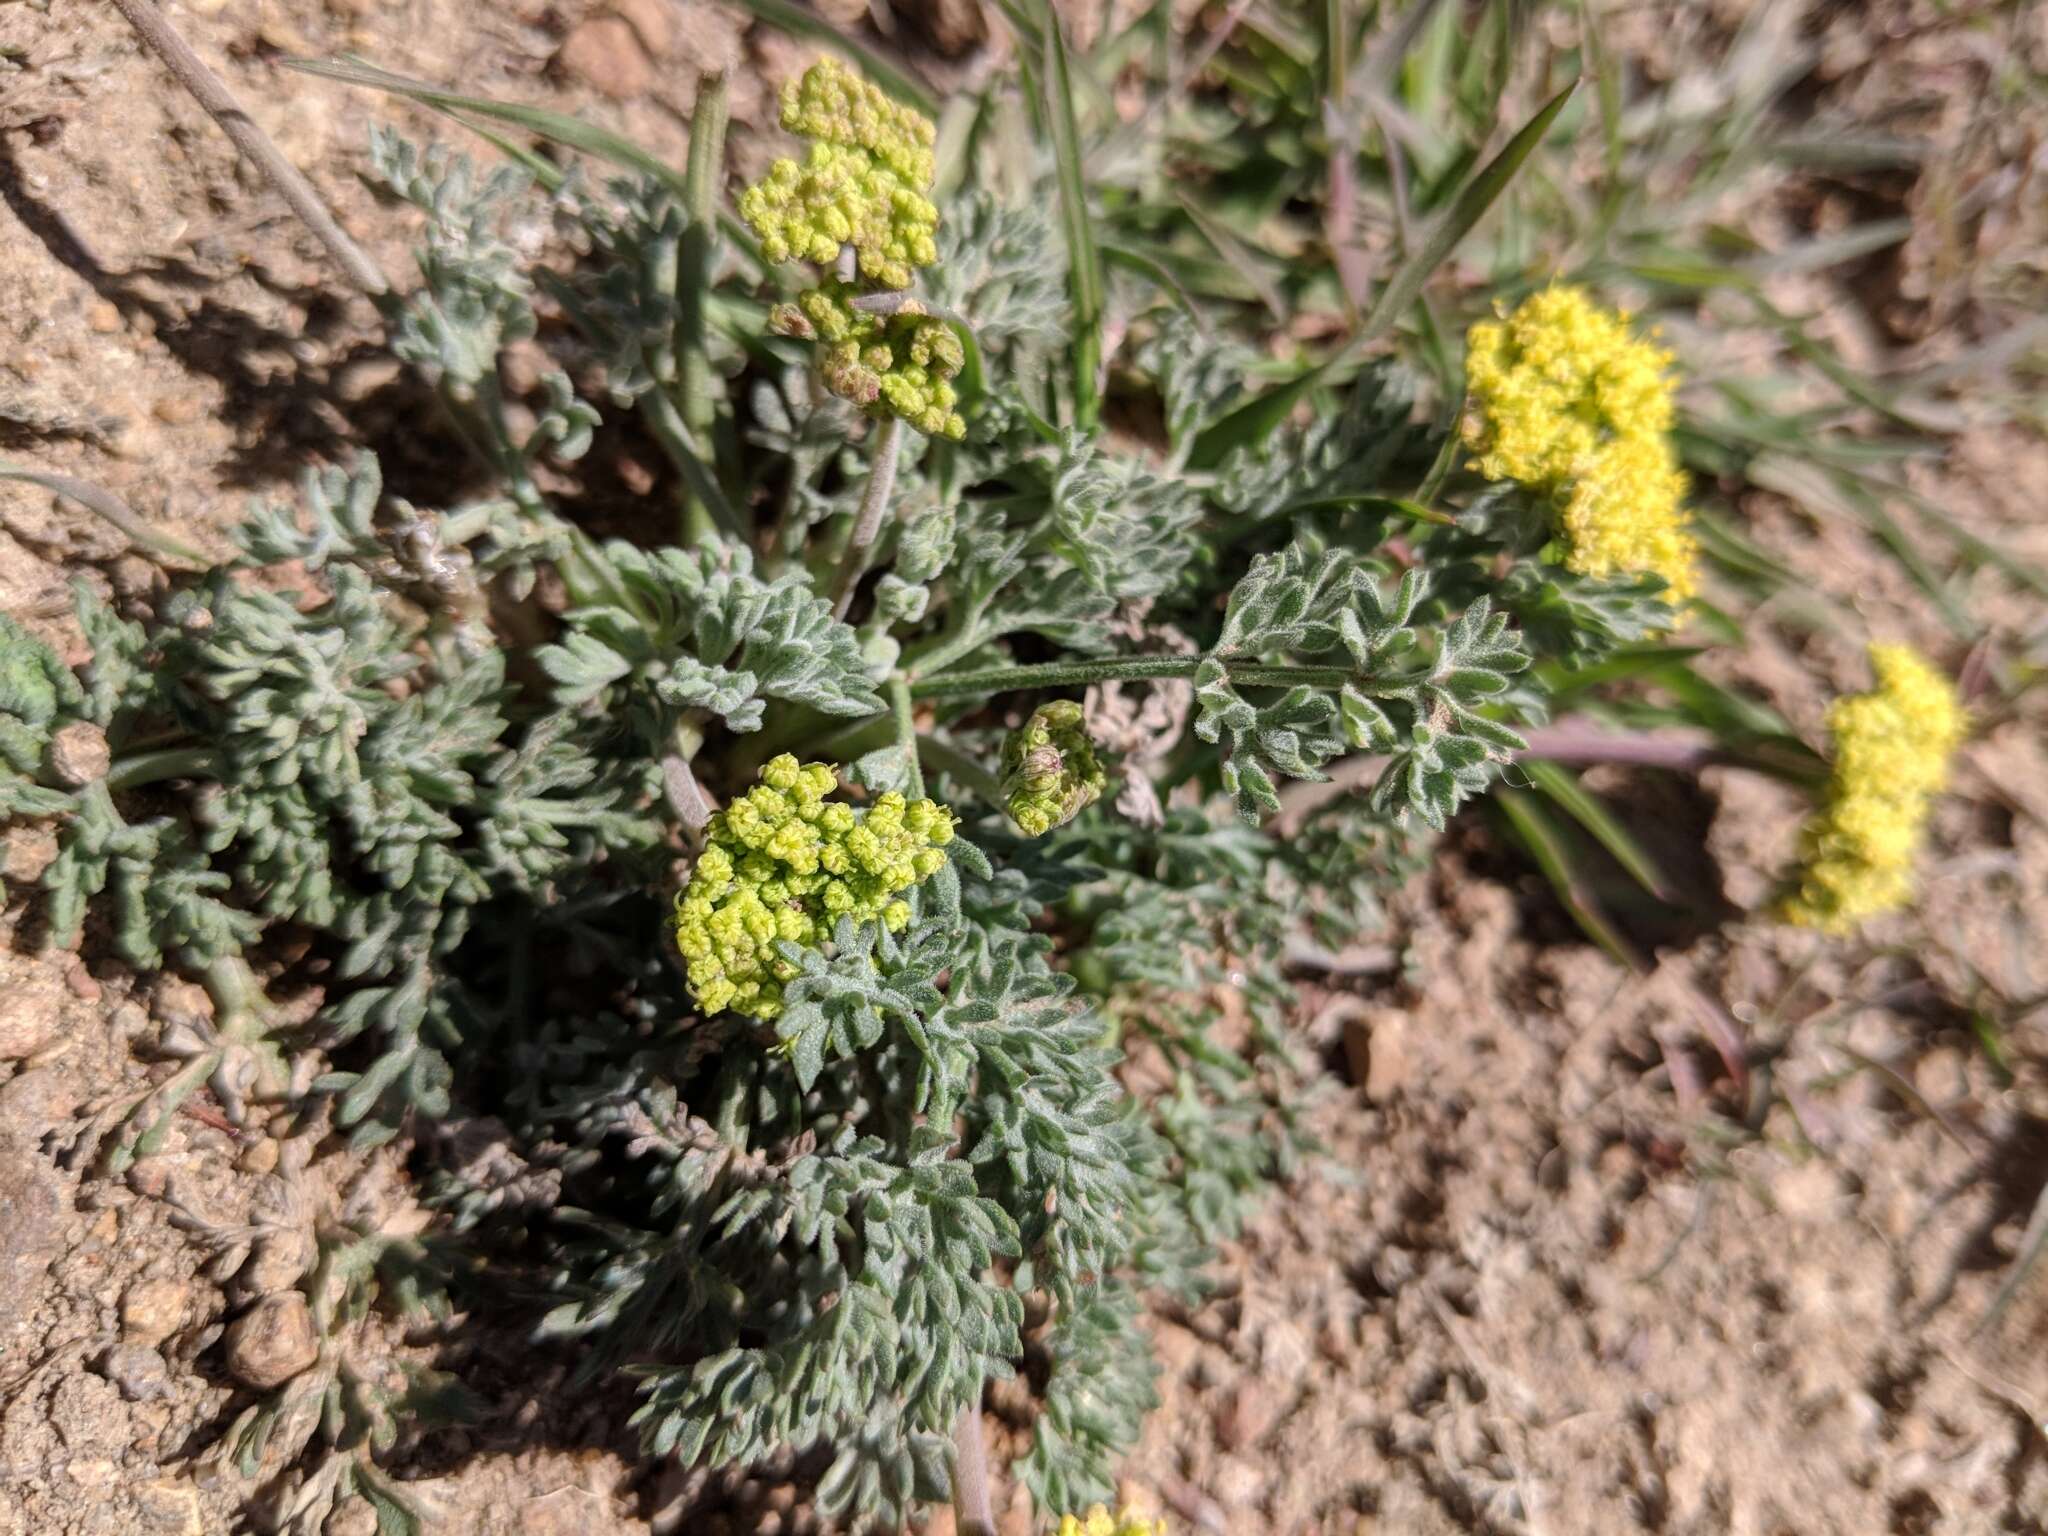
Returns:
(272, 1342)
(364, 377)
(104, 318)
(259, 1157)
(31, 998)
(31, 1232)
(137, 1370)
(25, 852)
(78, 754)
(605, 54)
(38, 1101)
(277, 1263)
(654, 22)
(355, 1518)
(153, 1310)
(178, 1003)
(1376, 1052)
(170, 1506)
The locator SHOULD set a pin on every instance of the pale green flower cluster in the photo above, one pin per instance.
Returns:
(862, 184)
(899, 365)
(783, 864)
(1050, 771)
(861, 187)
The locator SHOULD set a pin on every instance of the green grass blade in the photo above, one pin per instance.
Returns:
(1084, 262)
(1544, 841)
(1585, 808)
(559, 127)
(1457, 222)
(799, 22)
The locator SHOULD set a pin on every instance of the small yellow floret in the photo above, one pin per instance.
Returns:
(1557, 380)
(1892, 751)
(1626, 513)
(1099, 1522)
(781, 864)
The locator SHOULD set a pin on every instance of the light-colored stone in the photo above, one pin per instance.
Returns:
(654, 21)
(277, 1263)
(25, 852)
(153, 1310)
(605, 54)
(78, 754)
(31, 1235)
(31, 1004)
(272, 1342)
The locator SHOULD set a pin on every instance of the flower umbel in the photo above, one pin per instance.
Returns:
(1099, 1522)
(1050, 771)
(862, 184)
(1567, 401)
(896, 365)
(783, 864)
(862, 187)
(1892, 750)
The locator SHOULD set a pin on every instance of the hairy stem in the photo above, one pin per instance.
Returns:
(906, 733)
(211, 92)
(693, 282)
(874, 506)
(1122, 669)
(974, 1514)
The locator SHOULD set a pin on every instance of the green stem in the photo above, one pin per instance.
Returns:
(906, 733)
(682, 447)
(946, 758)
(700, 197)
(168, 763)
(1121, 669)
(874, 506)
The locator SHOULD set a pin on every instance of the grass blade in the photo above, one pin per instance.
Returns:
(558, 127)
(1457, 222)
(1084, 262)
(1544, 841)
(1585, 808)
(108, 506)
(798, 22)
(1255, 420)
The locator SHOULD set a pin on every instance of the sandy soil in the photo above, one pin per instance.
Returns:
(1559, 1272)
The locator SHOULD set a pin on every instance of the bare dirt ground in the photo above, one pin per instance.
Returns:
(1557, 1274)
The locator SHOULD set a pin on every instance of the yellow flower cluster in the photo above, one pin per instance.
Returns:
(897, 365)
(1567, 401)
(1099, 1522)
(863, 182)
(1892, 750)
(782, 863)
(1050, 771)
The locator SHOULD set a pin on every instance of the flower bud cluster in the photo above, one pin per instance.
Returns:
(900, 365)
(1892, 751)
(1050, 771)
(1567, 401)
(862, 184)
(783, 864)
(1099, 1522)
